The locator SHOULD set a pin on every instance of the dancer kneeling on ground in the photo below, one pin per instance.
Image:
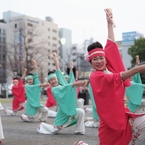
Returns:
(33, 92)
(65, 95)
(19, 98)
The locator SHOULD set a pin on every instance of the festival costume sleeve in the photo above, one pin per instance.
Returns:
(136, 78)
(36, 79)
(50, 101)
(66, 98)
(134, 93)
(61, 79)
(33, 99)
(114, 61)
(108, 91)
(71, 77)
(33, 96)
(95, 114)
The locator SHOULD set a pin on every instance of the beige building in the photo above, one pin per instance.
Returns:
(28, 39)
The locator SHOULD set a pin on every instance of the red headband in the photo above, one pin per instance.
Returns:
(96, 52)
(15, 80)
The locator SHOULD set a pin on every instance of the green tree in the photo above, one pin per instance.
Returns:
(2, 21)
(138, 49)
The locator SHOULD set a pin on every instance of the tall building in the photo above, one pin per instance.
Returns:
(65, 41)
(3, 33)
(31, 39)
(9, 14)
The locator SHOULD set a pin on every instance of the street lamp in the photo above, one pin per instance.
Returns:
(63, 41)
(15, 73)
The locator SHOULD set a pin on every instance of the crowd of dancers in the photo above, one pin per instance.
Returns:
(116, 96)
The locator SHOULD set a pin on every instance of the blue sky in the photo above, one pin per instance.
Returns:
(85, 18)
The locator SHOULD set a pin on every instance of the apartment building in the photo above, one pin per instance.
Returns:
(3, 51)
(29, 39)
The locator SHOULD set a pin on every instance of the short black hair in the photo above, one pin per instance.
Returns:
(94, 45)
(15, 78)
(50, 72)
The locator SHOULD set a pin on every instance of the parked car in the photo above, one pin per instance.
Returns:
(10, 90)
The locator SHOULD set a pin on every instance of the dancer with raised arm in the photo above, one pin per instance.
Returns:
(33, 91)
(118, 126)
(18, 92)
(65, 95)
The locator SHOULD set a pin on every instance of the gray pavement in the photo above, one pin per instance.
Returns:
(18, 132)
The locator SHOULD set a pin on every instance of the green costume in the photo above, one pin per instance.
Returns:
(33, 96)
(134, 93)
(65, 95)
(94, 111)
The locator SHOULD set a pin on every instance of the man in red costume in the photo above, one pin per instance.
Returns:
(108, 83)
(18, 92)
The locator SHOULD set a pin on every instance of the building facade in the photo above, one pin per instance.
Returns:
(65, 41)
(127, 41)
(3, 52)
(31, 39)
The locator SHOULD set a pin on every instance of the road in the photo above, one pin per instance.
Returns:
(18, 132)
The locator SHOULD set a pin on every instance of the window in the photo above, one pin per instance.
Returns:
(4, 32)
(54, 30)
(54, 45)
(4, 40)
(53, 64)
(4, 48)
(48, 63)
(48, 43)
(0, 31)
(30, 40)
(54, 38)
(48, 50)
(15, 25)
(4, 57)
(48, 57)
(48, 29)
(30, 33)
(30, 25)
(4, 66)
(48, 37)
(55, 51)
(0, 40)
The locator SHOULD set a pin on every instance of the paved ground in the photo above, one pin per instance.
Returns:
(18, 132)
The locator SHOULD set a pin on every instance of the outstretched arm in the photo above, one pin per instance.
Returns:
(79, 83)
(24, 74)
(71, 66)
(137, 60)
(35, 66)
(54, 56)
(44, 85)
(127, 74)
(109, 17)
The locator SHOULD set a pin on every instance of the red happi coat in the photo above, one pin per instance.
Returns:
(19, 95)
(50, 101)
(108, 91)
